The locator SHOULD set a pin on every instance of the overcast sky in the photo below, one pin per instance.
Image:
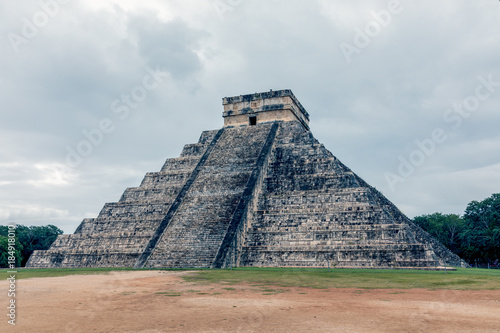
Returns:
(405, 93)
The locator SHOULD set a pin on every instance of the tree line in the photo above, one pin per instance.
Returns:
(475, 236)
(28, 239)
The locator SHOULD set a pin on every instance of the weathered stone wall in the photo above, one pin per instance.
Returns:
(314, 211)
(264, 117)
(118, 236)
(281, 105)
(264, 195)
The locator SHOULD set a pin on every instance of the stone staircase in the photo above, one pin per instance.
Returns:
(195, 234)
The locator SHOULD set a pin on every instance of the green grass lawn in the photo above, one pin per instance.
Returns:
(23, 273)
(461, 279)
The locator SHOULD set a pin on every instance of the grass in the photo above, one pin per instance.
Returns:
(23, 273)
(27, 273)
(461, 279)
(169, 293)
(268, 291)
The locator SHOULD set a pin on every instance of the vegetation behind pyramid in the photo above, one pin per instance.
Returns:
(261, 191)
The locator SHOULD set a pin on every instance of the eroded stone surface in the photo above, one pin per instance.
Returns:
(263, 195)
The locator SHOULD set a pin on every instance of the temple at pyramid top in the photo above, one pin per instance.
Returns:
(253, 109)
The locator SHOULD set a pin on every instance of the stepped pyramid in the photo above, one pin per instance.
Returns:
(261, 191)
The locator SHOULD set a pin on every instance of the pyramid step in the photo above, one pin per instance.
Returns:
(262, 191)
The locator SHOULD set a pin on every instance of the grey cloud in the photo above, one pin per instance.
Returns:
(368, 112)
(171, 45)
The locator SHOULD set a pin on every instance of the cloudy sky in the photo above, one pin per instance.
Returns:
(95, 94)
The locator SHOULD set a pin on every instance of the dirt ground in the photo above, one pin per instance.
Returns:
(156, 301)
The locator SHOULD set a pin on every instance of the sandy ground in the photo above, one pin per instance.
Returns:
(149, 302)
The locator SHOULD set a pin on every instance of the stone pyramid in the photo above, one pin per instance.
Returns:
(261, 191)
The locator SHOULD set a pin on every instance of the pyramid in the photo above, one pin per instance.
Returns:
(260, 191)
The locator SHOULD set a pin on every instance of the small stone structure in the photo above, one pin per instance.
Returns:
(261, 191)
(262, 108)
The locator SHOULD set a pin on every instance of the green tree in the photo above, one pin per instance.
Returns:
(481, 236)
(5, 253)
(447, 228)
(33, 238)
(475, 237)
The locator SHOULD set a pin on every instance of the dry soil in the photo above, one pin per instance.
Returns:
(156, 301)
